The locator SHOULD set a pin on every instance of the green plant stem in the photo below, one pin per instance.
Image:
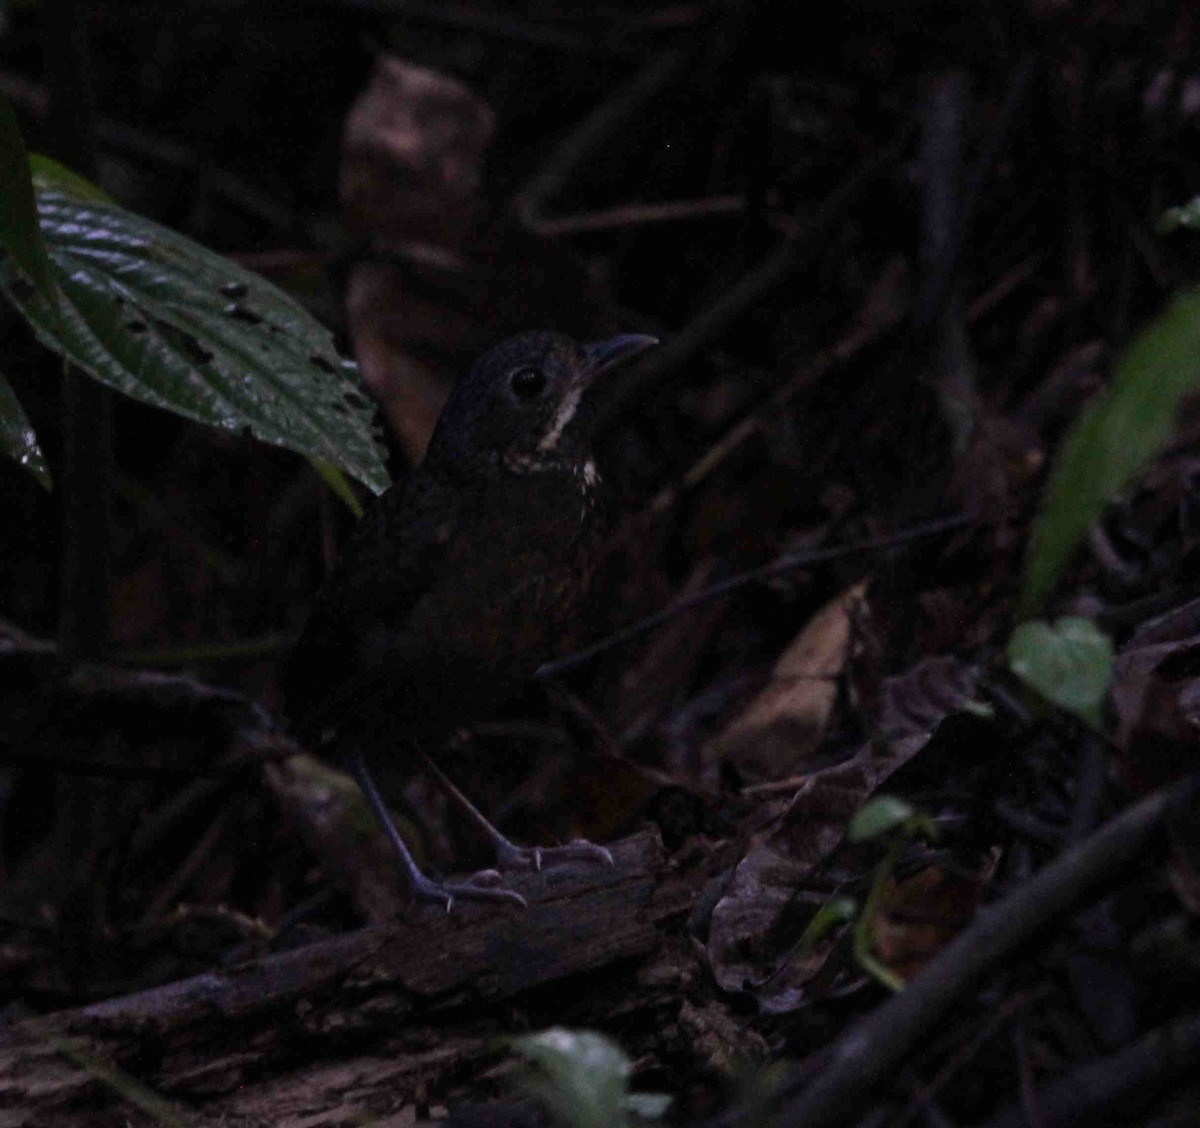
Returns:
(862, 927)
(868, 1053)
(203, 653)
(86, 483)
(87, 506)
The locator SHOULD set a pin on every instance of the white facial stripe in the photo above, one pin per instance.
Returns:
(563, 416)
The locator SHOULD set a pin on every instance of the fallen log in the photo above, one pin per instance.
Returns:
(369, 1022)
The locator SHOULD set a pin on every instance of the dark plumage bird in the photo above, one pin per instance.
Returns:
(463, 579)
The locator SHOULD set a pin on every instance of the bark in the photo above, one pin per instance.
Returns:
(370, 1022)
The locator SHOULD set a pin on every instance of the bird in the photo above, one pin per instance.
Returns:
(460, 581)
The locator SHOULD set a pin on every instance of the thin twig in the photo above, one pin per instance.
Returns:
(255, 749)
(182, 877)
(935, 295)
(750, 289)
(531, 201)
(862, 336)
(120, 137)
(639, 215)
(1094, 1089)
(480, 20)
(866, 1054)
(783, 564)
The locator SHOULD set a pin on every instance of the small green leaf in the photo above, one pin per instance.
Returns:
(1069, 664)
(337, 482)
(1118, 434)
(648, 1106)
(582, 1077)
(880, 816)
(20, 235)
(1187, 215)
(160, 318)
(17, 439)
(836, 911)
(49, 174)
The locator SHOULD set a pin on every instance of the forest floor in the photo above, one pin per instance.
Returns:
(891, 261)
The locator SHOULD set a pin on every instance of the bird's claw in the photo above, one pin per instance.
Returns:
(512, 857)
(487, 885)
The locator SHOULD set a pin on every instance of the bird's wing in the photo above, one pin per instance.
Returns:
(391, 561)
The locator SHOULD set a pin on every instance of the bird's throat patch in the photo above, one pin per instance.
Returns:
(563, 416)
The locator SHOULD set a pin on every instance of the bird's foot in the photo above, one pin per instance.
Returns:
(510, 856)
(486, 885)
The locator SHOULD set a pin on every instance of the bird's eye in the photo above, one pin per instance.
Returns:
(527, 382)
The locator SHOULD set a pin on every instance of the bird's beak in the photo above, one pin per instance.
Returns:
(604, 355)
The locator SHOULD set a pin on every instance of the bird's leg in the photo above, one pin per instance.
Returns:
(508, 854)
(420, 887)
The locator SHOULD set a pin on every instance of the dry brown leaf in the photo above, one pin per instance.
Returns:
(922, 913)
(413, 150)
(1154, 695)
(912, 704)
(785, 722)
(388, 325)
(748, 945)
(721, 1041)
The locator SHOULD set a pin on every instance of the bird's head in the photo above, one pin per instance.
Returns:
(524, 403)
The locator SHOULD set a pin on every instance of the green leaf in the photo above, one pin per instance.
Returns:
(160, 318)
(1187, 215)
(20, 235)
(836, 911)
(1124, 427)
(17, 439)
(582, 1077)
(336, 481)
(880, 816)
(1069, 664)
(49, 174)
(648, 1106)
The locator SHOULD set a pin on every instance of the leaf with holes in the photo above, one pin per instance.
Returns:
(160, 318)
(17, 439)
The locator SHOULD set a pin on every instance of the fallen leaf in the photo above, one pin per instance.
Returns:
(412, 155)
(920, 914)
(785, 722)
(750, 945)
(413, 151)
(1156, 698)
